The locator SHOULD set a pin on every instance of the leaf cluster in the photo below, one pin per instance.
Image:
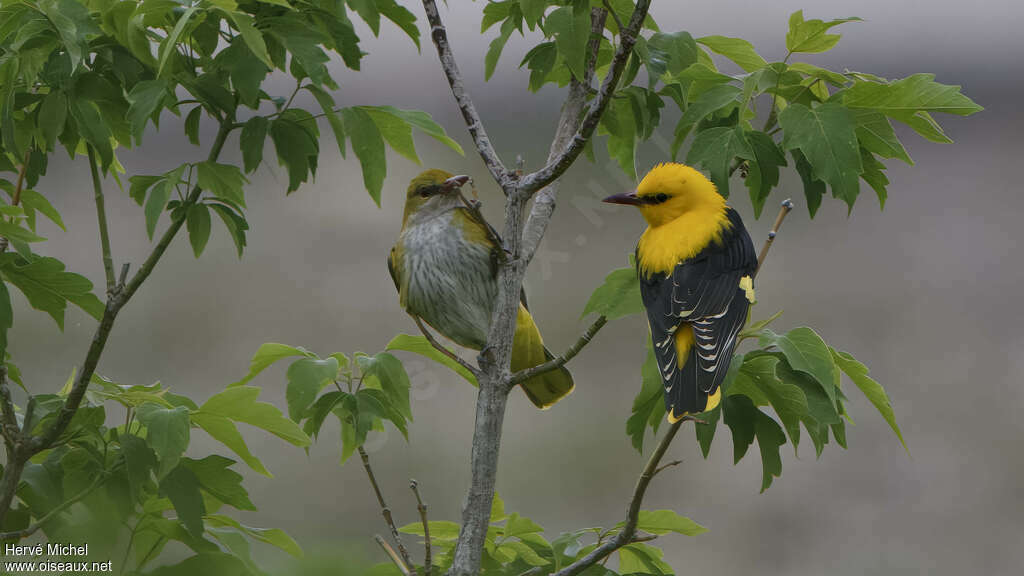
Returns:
(835, 127)
(136, 476)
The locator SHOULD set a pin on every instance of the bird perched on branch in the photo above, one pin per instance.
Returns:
(445, 267)
(696, 264)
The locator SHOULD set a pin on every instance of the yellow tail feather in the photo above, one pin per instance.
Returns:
(528, 351)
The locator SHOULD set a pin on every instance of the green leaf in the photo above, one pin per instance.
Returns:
(93, 129)
(181, 486)
(16, 233)
(333, 118)
(385, 372)
(518, 526)
(420, 345)
(223, 181)
(167, 432)
(665, 521)
(814, 188)
(705, 432)
(826, 137)
(198, 223)
(273, 536)
(648, 406)
(497, 45)
(49, 288)
(875, 133)
(874, 392)
(170, 43)
(224, 431)
(219, 563)
(146, 98)
(642, 559)
(678, 51)
(533, 11)
(318, 412)
(440, 530)
(33, 201)
(239, 403)
(714, 150)
(924, 125)
(306, 378)
(714, 99)
(786, 399)
(811, 35)
(740, 414)
(401, 17)
(919, 92)
(234, 222)
(571, 29)
(253, 38)
(396, 132)
(192, 125)
(807, 352)
(158, 197)
(368, 145)
(763, 174)
(770, 438)
(139, 461)
(53, 112)
(216, 477)
(424, 123)
(73, 24)
(540, 60)
(6, 317)
(251, 141)
(296, 141)
(617, 297)
(736, 49)
(873, 174)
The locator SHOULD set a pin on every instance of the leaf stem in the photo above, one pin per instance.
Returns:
(101, 217)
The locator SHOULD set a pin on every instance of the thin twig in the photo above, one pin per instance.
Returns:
(786, 208)
(548, 174)
(101, 216)
(426, 526)
(16, 197)
(442, 348)
(628, 532)
(391, 554)
(556, 363)
(26, 532)
(462, 98)
(384, 510)
(615, 16)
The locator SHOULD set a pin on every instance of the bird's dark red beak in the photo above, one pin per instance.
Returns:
(628, 199)
(454, 183)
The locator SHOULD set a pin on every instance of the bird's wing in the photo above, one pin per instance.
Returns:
(703, 295)
(393, 268)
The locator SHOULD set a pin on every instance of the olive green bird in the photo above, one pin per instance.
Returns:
(445, 267)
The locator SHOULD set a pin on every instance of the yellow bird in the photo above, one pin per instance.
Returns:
(696, 264)
(445, 267)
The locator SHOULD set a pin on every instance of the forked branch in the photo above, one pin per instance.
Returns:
(465, 103)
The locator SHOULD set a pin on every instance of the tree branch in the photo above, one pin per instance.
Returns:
(391, 554)
(384, 510)
(28, 445)
(628, 532)
(786, 208)
(16, 197)
(469, 113)
(556, 363)
(426, 527)
(101, 216)
(568, 124)
(548, 174)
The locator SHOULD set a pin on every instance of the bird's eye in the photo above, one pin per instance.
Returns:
(426, 191)
(659, 198)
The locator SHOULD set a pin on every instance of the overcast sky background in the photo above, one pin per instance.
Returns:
(925, 293)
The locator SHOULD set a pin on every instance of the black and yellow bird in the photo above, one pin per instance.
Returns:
(696, 264)
(445, 267)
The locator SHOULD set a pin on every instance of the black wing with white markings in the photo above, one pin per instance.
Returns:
(702, 294)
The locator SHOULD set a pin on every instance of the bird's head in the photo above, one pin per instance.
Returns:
(432, 193)
(668, 191)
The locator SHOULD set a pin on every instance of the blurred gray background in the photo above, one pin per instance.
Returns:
(925, 293)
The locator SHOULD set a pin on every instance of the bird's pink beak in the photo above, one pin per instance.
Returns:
(454, 183)
(628, 199)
